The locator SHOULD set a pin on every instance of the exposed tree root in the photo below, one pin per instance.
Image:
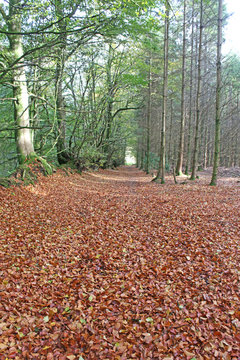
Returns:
(28, 172)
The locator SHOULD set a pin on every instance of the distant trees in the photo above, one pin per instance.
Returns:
(192, 105)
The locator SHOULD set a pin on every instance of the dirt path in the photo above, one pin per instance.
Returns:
(109, 265)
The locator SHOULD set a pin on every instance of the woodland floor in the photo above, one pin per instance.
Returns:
(109, 265)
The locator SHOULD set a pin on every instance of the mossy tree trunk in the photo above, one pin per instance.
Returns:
(23, 135)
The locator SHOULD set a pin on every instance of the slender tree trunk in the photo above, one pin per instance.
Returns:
(198, 97)
(23, 133)
(182, 130)
(218, 97)
(170, 154)
(62, 153)
(205, 148)
(236, 140)
(205, 113)
(138, 153)
(148, 119)
(190, 96)
(161, 170)
(109, 117)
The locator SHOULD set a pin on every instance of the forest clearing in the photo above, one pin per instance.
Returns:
(110, 265)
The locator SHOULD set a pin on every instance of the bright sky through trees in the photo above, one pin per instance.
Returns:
(232, 30)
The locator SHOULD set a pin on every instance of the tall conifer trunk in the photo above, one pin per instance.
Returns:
(148, 118)
(198, 98)
(218, 97)
(181, 141)
(161, 169)
(190, 96)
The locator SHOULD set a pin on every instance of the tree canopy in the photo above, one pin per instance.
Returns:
(82, 82)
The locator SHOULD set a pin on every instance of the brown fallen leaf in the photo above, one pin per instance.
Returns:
(113, 233)
(71, 357)
(3, 346)
(188, 353)
(50, 356)
(147, 338)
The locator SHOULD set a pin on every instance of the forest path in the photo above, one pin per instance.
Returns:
(109, 265)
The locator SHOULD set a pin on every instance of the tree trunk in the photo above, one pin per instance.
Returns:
(218, 98)
(205, 159)
(190, 97)
(170, 153)
(23, 133)
(198, 98)
(182, 130)
(109, 116)
(62, 153)
(148, 119)
(161, 170)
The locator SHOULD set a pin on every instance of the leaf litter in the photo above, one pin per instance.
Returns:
(108, 265)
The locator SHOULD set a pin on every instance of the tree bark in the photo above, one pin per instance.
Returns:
(148, 116)
(218, 97)
(62, 153)
(198, 97)
(23, 133)
(190, 96)
(182, 130)
(161, 169)
(109, 115)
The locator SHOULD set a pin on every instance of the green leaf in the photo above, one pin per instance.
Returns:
(46, 319)
(149, 320)
(82, 321)
(67, 309)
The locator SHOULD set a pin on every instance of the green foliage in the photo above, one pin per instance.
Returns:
(153, 161)
(105, 54)
(134, 80)
(90, 158)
